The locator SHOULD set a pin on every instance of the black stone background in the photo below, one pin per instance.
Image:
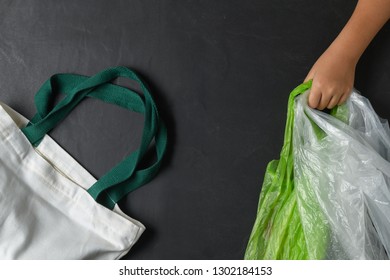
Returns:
(221, 72)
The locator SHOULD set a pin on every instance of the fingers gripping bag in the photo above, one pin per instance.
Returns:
(328, 196)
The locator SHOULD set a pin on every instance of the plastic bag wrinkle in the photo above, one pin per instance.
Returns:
(328, 197)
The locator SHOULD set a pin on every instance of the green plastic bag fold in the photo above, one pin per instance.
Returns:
(327, 197)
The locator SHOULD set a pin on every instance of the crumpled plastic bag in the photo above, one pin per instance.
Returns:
(328, 196)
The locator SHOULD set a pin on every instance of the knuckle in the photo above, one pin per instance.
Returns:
(348, 90)
(317, 83)
(331, 91)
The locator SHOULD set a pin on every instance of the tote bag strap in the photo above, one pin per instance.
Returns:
(126, 176)
(65, 84)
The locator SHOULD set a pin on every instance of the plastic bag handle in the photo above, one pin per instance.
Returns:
(290, 114)
(126, 176)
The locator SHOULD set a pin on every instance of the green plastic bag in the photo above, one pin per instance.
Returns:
(278, 232)
(328, 196)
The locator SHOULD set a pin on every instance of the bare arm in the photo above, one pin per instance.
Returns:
(334, 72)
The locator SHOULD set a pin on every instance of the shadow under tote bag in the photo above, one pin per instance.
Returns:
(51, 207)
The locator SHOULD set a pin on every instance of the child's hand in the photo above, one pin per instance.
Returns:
(333, 76)
(333, 73)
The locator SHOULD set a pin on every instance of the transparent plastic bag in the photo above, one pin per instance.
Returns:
(343, 165)
(328, 197)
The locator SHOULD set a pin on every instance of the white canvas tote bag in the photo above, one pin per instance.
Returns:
(50, 206)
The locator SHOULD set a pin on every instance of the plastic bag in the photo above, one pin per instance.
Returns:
(328, 197)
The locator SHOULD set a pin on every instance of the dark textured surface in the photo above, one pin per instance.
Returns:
(221, 72)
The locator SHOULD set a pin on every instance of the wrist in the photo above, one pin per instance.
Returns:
(344, 54)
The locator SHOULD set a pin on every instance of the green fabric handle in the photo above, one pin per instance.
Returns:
(65, 83)
(127, 175)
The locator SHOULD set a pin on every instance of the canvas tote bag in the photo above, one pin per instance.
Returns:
(50, 206)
